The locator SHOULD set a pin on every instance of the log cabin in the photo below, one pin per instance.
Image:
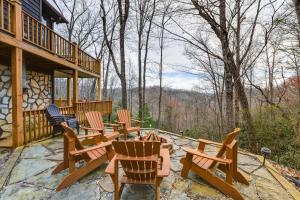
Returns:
(32, 55)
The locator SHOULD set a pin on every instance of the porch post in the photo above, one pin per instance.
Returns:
(16, 70)
(75, 78)
(69, 102)
(98, 66)
(75, 89)
(17, 97)
(99, 89)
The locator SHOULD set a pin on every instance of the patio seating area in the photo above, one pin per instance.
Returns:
(20, 180)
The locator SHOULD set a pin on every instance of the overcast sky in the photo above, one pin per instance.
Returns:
(174, 56)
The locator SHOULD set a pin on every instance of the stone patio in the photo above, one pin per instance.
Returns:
(30, 177)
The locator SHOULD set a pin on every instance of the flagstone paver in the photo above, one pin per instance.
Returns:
(31, 177)
(35, 151)
(29, 167)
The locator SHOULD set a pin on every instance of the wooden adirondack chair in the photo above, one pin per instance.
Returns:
(55, 118)
(95, 121)
(142, 162)
(74, 151)
(125, 121)
(204, 165)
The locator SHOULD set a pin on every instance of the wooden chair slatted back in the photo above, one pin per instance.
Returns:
(229, 140)
(135, 169)
(152, 137)
(124, 116)
(53, 110)
(95, 120)
(71, 137)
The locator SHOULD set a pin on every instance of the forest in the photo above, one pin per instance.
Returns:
(243, 56)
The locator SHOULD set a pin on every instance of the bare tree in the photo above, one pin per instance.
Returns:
(83, 28)
(165, 17)
(144, 13)
(123, 12)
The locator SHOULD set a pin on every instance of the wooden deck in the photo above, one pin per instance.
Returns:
(34, 34)
(37, 127)
(25, 40)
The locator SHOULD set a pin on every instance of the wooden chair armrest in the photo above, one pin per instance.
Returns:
(136, 120)
(132, 158)
(209, 142)
(79, 152)
(165, 170)
(69, 115)
(196, 152)
(91, 129)
(111, 125)
(122, 123)
(110, 169)
(87, 136)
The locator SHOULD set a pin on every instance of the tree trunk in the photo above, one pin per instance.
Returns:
(230, 66)
(160, 74)
(123, 69)
(146, 58)
(297, 9)
(140, 73)
(105, 81)
(229, 100)
(122, 20)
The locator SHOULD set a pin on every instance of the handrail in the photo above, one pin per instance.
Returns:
(88, 62)
(42, 36)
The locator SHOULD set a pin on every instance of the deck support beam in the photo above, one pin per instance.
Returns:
(69, 100)
(17, 97)
(16, 71)
(99, 89)
(98, 66)
(75, 89)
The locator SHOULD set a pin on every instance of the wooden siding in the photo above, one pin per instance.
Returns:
(32, 7)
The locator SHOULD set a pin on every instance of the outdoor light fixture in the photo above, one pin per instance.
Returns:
(265, 152)
(181, 132)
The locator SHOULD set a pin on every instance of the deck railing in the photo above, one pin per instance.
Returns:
(39, 35)
(105, 107)
(6, 16)
(61, 102)
(88, 62)
(43, 37)
(37, 127)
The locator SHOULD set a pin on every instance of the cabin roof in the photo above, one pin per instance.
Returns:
(53, 12)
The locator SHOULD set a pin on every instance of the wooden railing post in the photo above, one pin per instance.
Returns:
(16, 69)
(17, 24)
(98, 67)
(75, 90)
(75, 53)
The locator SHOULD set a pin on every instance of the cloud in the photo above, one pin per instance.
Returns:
(176, 80)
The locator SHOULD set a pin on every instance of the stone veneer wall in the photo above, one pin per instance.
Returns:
(5, 99)
(38, 95)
